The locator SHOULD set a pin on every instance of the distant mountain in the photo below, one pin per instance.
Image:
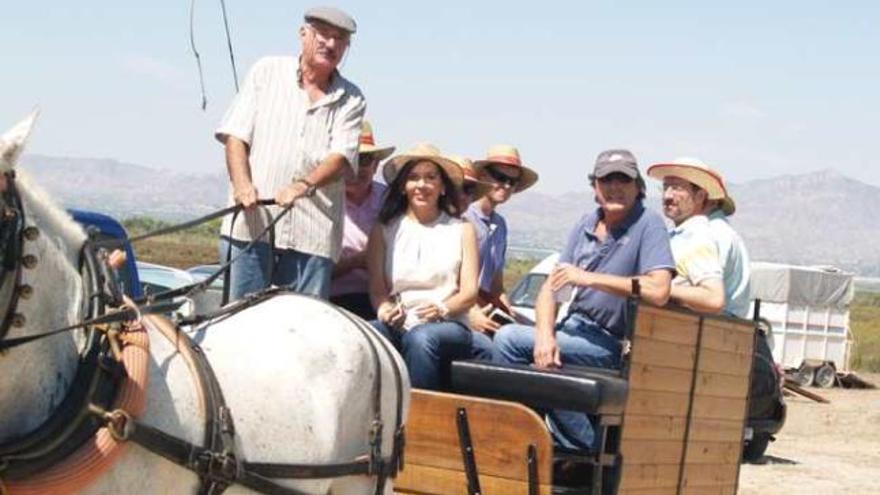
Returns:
(124, 189)
(820, 218)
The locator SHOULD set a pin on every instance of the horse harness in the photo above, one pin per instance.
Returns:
(87, 406)
(217, 463)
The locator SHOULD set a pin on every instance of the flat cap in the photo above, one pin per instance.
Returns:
(332, 16)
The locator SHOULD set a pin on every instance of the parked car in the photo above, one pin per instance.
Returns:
(213, 297)
(201, 272)
(767, 408)
(158, 278)
(525, 292)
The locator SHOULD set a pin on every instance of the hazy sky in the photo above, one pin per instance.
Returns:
(757, 89)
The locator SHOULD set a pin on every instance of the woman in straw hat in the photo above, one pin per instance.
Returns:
(363, 199)
(422, 261)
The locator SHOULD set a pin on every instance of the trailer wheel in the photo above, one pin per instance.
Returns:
(754, 449)
(826, 376)
(805, 375)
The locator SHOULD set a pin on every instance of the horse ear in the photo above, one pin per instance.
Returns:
(13, 141)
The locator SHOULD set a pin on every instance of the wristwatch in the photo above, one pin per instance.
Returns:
(310, 188)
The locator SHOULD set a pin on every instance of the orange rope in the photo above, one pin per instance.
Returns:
(95, 457)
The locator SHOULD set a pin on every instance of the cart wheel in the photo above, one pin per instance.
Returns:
(826, 376)
(805, 375)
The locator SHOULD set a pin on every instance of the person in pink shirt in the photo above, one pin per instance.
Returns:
(363, 199)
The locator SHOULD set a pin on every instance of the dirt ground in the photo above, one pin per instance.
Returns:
(823, 448)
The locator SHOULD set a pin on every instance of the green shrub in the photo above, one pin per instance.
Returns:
(865, 324)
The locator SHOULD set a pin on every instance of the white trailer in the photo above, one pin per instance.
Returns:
(808, 309)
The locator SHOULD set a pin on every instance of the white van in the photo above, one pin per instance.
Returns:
(525, 292)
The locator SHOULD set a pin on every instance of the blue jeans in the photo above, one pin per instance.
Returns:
(300, 272)
(484, 348)
(428, 349)
(581, 342)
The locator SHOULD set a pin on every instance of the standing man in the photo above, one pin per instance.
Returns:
(504, 174)
(290, 134)
(688, 186)
(619, 241)
(363, 200)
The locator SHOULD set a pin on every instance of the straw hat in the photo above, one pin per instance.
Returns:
(367, 143)
(694, 171)
(423, 152)
(470, 175)
(505, 154)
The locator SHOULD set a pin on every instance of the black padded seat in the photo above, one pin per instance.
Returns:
(575, 388)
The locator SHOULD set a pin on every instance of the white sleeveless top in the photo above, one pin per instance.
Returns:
(422, 262)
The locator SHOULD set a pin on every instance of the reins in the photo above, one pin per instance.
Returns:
(161, 302)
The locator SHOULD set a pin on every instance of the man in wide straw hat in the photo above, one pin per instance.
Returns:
(504, 174)
(688, 186)
(610, 246)
(363, 199)
(289, 134)
(732, 253)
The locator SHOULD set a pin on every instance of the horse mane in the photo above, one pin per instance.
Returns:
(52, 221)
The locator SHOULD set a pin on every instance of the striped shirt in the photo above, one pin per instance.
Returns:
(289, 137)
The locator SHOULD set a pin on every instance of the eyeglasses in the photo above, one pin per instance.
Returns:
(501, 178)
(615, 177)
(327, 34)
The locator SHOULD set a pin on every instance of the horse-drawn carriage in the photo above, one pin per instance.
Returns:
(112, 399)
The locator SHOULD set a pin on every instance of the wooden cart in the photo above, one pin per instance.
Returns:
(672, 419)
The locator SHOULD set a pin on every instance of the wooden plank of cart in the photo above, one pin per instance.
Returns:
(671, 420)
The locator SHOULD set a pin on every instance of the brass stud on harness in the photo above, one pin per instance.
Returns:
(31, 233)
(25, 291)
(18, 320)
(29, 261)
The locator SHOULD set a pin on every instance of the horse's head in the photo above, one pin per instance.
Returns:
(11, 217)
(40, 289)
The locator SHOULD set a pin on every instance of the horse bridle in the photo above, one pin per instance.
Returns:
(12, 233)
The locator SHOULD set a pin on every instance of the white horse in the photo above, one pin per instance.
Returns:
(297, 373)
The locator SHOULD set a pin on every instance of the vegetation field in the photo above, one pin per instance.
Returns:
(196, 246)
(865, 322)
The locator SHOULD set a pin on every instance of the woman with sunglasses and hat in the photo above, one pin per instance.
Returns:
(423, 264)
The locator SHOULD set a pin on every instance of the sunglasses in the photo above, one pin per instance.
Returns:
(367, 160)
(615, 177)
(502, 178)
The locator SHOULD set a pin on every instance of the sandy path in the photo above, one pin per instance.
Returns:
(823, 448)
